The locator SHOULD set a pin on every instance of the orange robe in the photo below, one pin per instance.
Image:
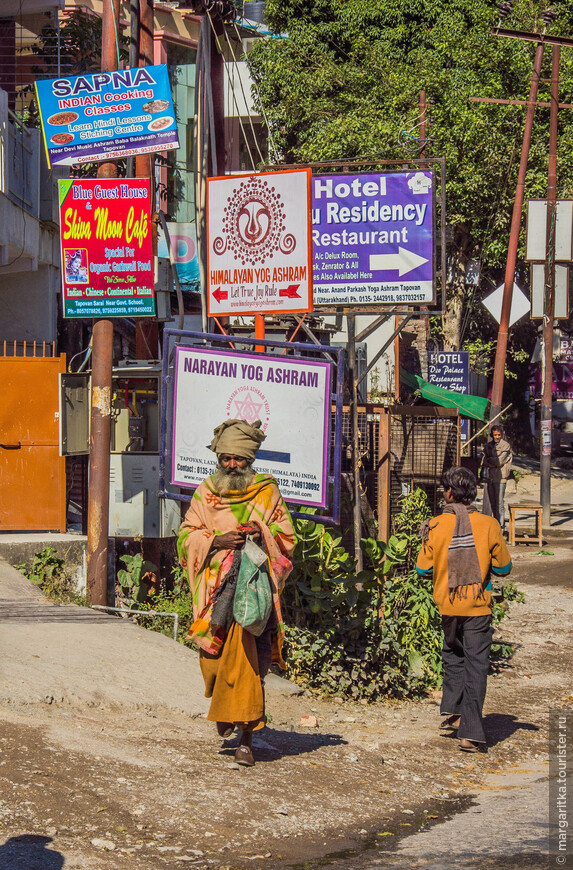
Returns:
(232, 677)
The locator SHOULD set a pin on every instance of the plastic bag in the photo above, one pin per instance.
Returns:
(253, 596)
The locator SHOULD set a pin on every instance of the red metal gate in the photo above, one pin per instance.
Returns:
(32, 473)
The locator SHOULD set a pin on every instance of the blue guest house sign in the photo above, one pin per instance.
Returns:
(373, 239)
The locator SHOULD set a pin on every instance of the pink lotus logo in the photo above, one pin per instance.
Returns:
(250, 404)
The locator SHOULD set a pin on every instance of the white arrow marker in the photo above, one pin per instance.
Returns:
(404, 261)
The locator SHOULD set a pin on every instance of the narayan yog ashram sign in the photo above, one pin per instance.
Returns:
(259, 256)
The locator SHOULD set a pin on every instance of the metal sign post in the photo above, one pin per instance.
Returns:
(547, 362)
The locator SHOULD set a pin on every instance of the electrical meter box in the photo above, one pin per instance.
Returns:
(134, 506)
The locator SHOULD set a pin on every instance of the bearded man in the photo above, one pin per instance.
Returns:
(231, 504)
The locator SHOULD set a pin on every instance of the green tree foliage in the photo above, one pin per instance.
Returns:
(74, 47)
(343, 81)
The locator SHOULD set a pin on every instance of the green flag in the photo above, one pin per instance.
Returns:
(468, 406)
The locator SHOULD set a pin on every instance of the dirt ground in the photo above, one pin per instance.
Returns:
(109, 784)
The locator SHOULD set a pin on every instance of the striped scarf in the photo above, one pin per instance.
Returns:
(464, 571)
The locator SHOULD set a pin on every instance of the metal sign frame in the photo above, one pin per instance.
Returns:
(172, 337)
(437, 166)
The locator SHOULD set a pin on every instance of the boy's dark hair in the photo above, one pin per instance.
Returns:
(462, 483)
(496, 428)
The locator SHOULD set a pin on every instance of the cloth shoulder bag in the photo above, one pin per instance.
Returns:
(253, 596)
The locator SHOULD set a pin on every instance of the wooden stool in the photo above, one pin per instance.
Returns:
(526, 507)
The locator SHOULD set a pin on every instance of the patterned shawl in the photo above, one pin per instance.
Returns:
(464, 570)
(211, 514)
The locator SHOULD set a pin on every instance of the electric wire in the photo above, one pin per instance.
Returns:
(499, 197)
(255, 138)
(85, 350)
(263, 113)
(232, 88)
(114, 16)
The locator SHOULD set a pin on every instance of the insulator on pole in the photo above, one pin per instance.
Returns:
(505, 8)
(549, 15)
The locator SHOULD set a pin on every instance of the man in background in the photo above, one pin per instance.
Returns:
(496, 464)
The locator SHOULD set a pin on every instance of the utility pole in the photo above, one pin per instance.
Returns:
(549, 309)
(541, 39)
(102, 355)
(502, 335)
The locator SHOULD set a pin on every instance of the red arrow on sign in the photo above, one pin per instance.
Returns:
(220, 294)
(290, 291)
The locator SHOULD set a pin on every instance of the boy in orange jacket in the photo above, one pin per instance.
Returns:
(460, 549)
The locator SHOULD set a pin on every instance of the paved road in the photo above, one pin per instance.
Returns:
(505, 826)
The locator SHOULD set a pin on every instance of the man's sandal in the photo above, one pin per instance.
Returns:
(244, 756)
(244, 752)
(225, 729)
(472, 746)
(450, 723)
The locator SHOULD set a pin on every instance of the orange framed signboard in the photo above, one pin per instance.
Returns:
(259, 243)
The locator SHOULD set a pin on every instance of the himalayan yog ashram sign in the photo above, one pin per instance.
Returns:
(290, 397)
(372, 239)
(88, 118)
(106, 249)
(258, 241)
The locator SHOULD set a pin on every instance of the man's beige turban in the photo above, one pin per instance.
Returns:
(238, 438)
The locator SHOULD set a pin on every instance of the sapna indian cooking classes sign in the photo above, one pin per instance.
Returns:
(106, 115)
(106, 248)
(290, 397)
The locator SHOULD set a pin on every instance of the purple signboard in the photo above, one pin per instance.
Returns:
(562, 381)
(373, 240)
(451, 370)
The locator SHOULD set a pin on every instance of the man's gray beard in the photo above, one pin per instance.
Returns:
(237, 480)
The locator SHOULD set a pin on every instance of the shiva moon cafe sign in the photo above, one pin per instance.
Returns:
(106, 248)
(373, 239)
(258, 242)
(215, 385)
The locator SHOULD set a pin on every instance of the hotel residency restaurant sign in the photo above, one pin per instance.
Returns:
(106, 115)
(106, 249)
(372, 238)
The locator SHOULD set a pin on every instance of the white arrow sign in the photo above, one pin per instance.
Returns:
(404, 261)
